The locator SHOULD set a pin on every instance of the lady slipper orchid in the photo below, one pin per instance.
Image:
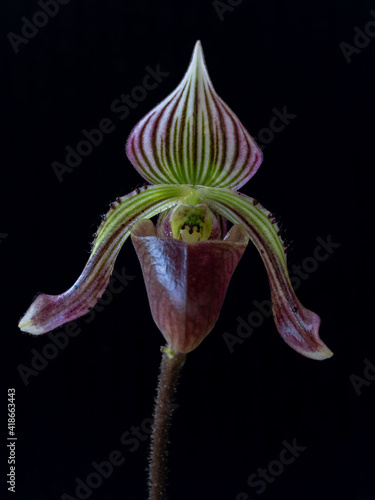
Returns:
(196, 154)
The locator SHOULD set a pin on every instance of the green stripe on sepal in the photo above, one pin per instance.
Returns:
(298, 326)
(193, 137)
(50, 311)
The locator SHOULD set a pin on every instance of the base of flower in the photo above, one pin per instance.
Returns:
(171, 365)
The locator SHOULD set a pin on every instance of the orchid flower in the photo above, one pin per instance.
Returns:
(196, 154)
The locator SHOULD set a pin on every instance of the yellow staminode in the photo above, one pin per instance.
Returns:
(191, 223)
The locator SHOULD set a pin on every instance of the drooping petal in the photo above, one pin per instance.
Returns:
(193, 137)
(298, 326)
(186, 282)
(50, 311)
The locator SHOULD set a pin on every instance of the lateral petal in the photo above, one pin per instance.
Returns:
(50, 311)
(298, 326)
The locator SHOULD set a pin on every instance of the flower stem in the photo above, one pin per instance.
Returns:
(171, 364)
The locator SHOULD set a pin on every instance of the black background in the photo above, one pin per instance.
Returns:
(235, 410)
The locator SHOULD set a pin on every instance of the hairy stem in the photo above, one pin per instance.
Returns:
(169, 370)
